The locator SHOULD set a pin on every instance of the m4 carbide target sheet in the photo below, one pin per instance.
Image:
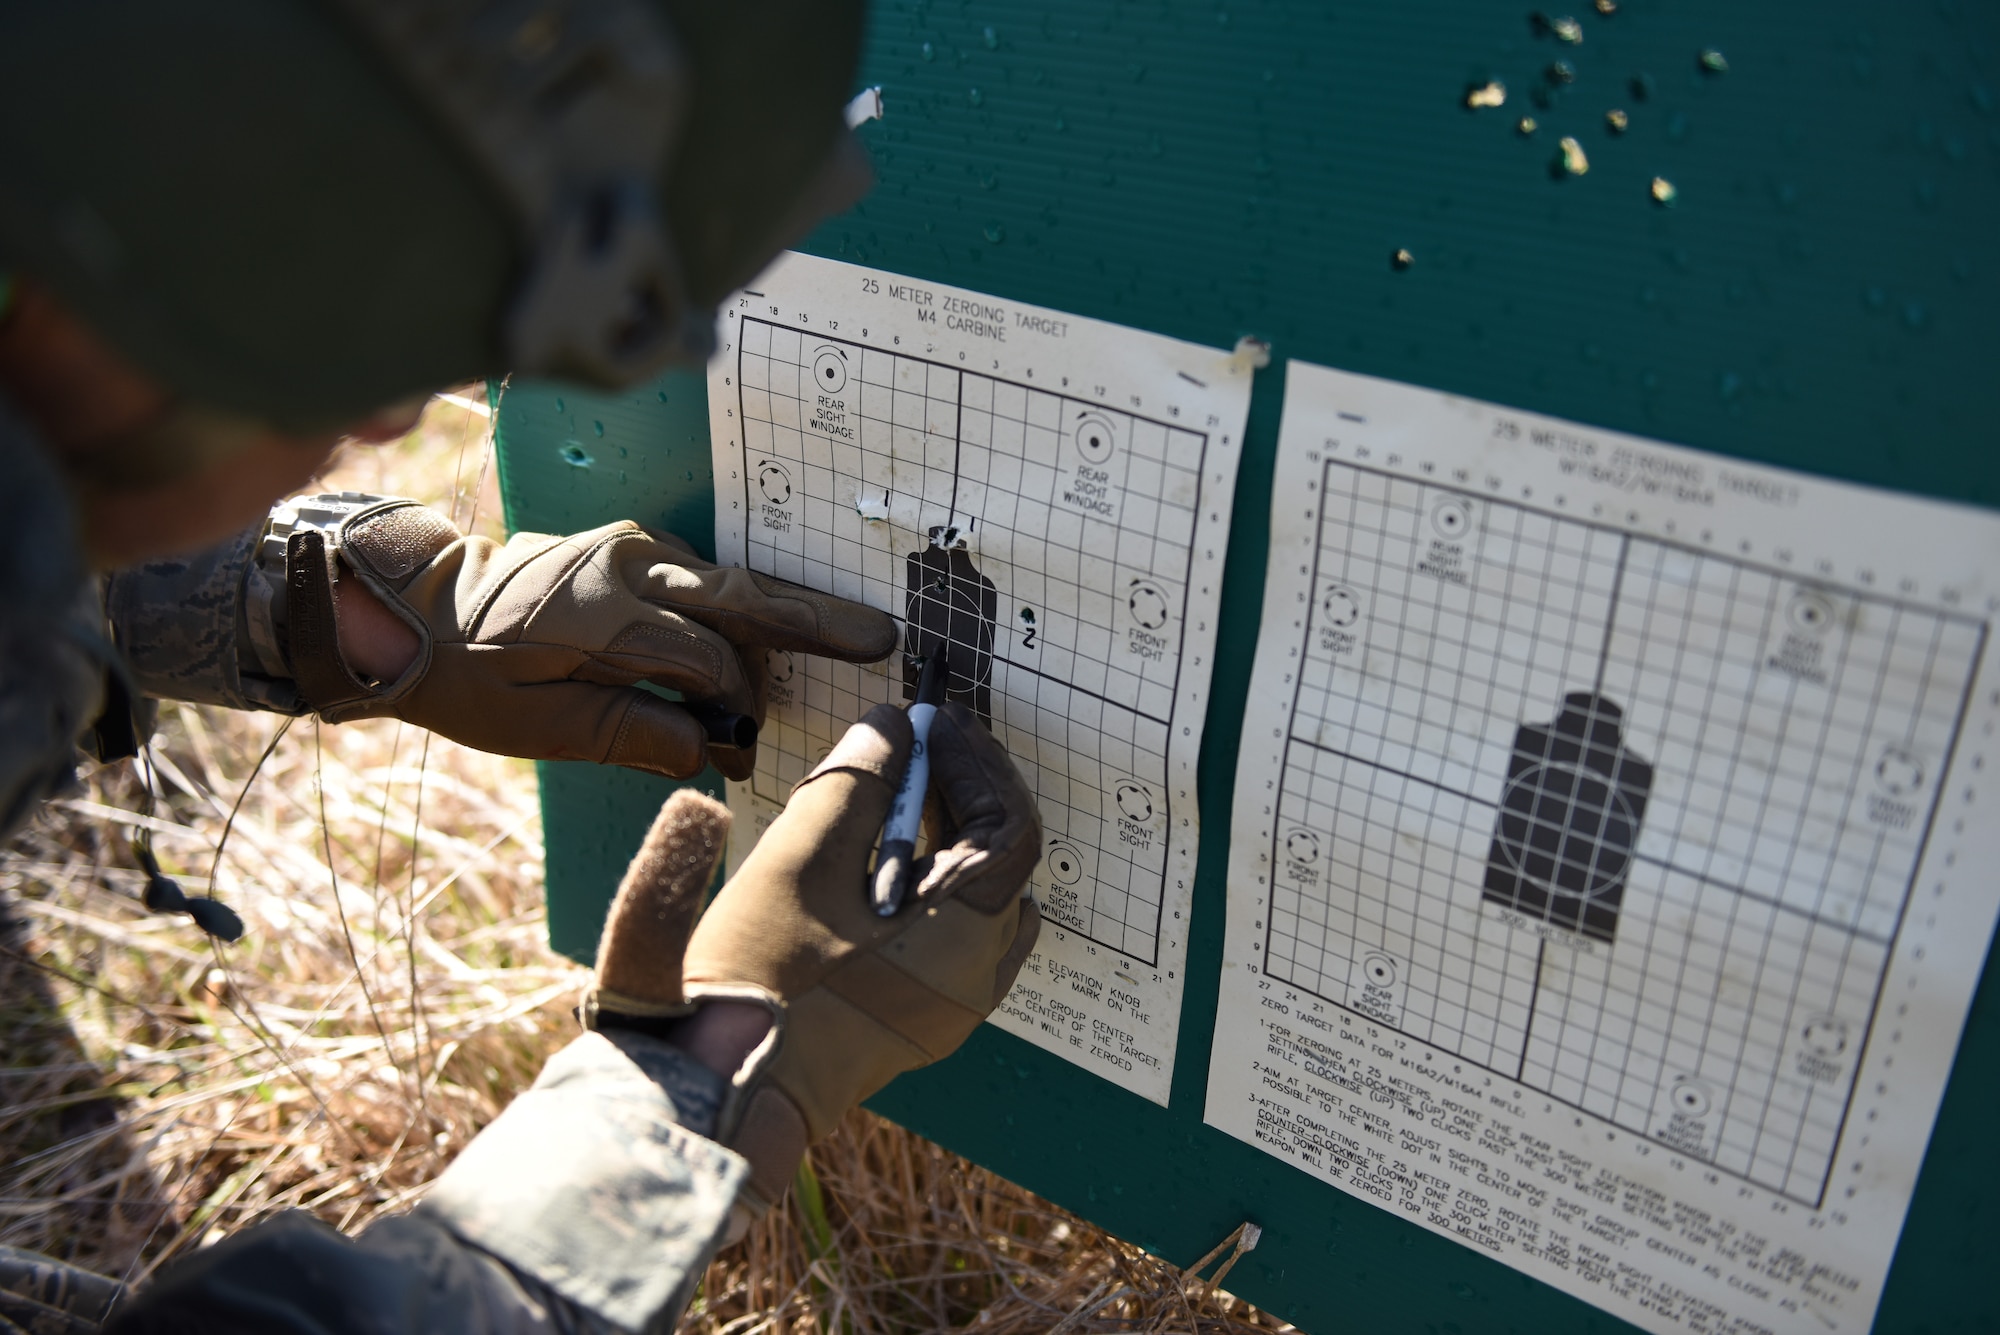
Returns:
(1049, 495)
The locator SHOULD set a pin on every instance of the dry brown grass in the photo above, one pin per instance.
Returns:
(393, 992)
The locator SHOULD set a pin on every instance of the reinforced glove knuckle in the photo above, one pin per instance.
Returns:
(877, 746)
(396, 541)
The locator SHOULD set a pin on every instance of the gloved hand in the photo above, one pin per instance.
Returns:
(534, 649)
(853, 999)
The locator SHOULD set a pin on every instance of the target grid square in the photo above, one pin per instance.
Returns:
(1081, 516)
(1686, 935)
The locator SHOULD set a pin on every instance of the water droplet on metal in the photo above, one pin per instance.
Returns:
(1642, 87)
(1574, 160)
(599, 426)
(995, 233)
(663, 396)
(1915, 315)
(1401, 259)
(1061, 125)
(1560, 71)
(974, 96)
(989, 181)
(1566, 30)
(559, 406)
(1606, 7)
(991, 38)
(1713, 62)
(1527, 125)
(1664, 192)
(1492, 94)
(574, 454)
(1617, 121)
(929, 51)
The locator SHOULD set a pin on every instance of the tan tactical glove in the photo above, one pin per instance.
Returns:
(535, 649)
(855, 999)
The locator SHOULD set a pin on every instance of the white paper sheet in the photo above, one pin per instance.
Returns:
(1053, 493)
(1611, 864)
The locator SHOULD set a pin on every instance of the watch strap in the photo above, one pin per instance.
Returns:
(265, 584)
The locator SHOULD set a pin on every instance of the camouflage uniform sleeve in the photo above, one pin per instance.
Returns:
(186, 627)
(590, 1207)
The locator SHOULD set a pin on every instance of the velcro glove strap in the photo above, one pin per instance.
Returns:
(312, 632)
(310, 545)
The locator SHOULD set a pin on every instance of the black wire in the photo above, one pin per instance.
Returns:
(163, 894)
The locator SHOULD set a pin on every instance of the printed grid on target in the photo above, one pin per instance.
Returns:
(1082, 518)
(1744, 768)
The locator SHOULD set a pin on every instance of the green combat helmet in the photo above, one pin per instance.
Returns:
(292, 214)
(296, 212)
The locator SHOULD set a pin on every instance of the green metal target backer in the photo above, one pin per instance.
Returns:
(1766, 232)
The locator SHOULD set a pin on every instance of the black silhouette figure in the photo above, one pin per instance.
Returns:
(1569, 817)
(949, 600)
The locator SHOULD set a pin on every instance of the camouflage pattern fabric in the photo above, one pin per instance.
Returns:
(590, 1207)
(180, 623)
(599, 1180)
(293, 1275)
(40, 1295)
